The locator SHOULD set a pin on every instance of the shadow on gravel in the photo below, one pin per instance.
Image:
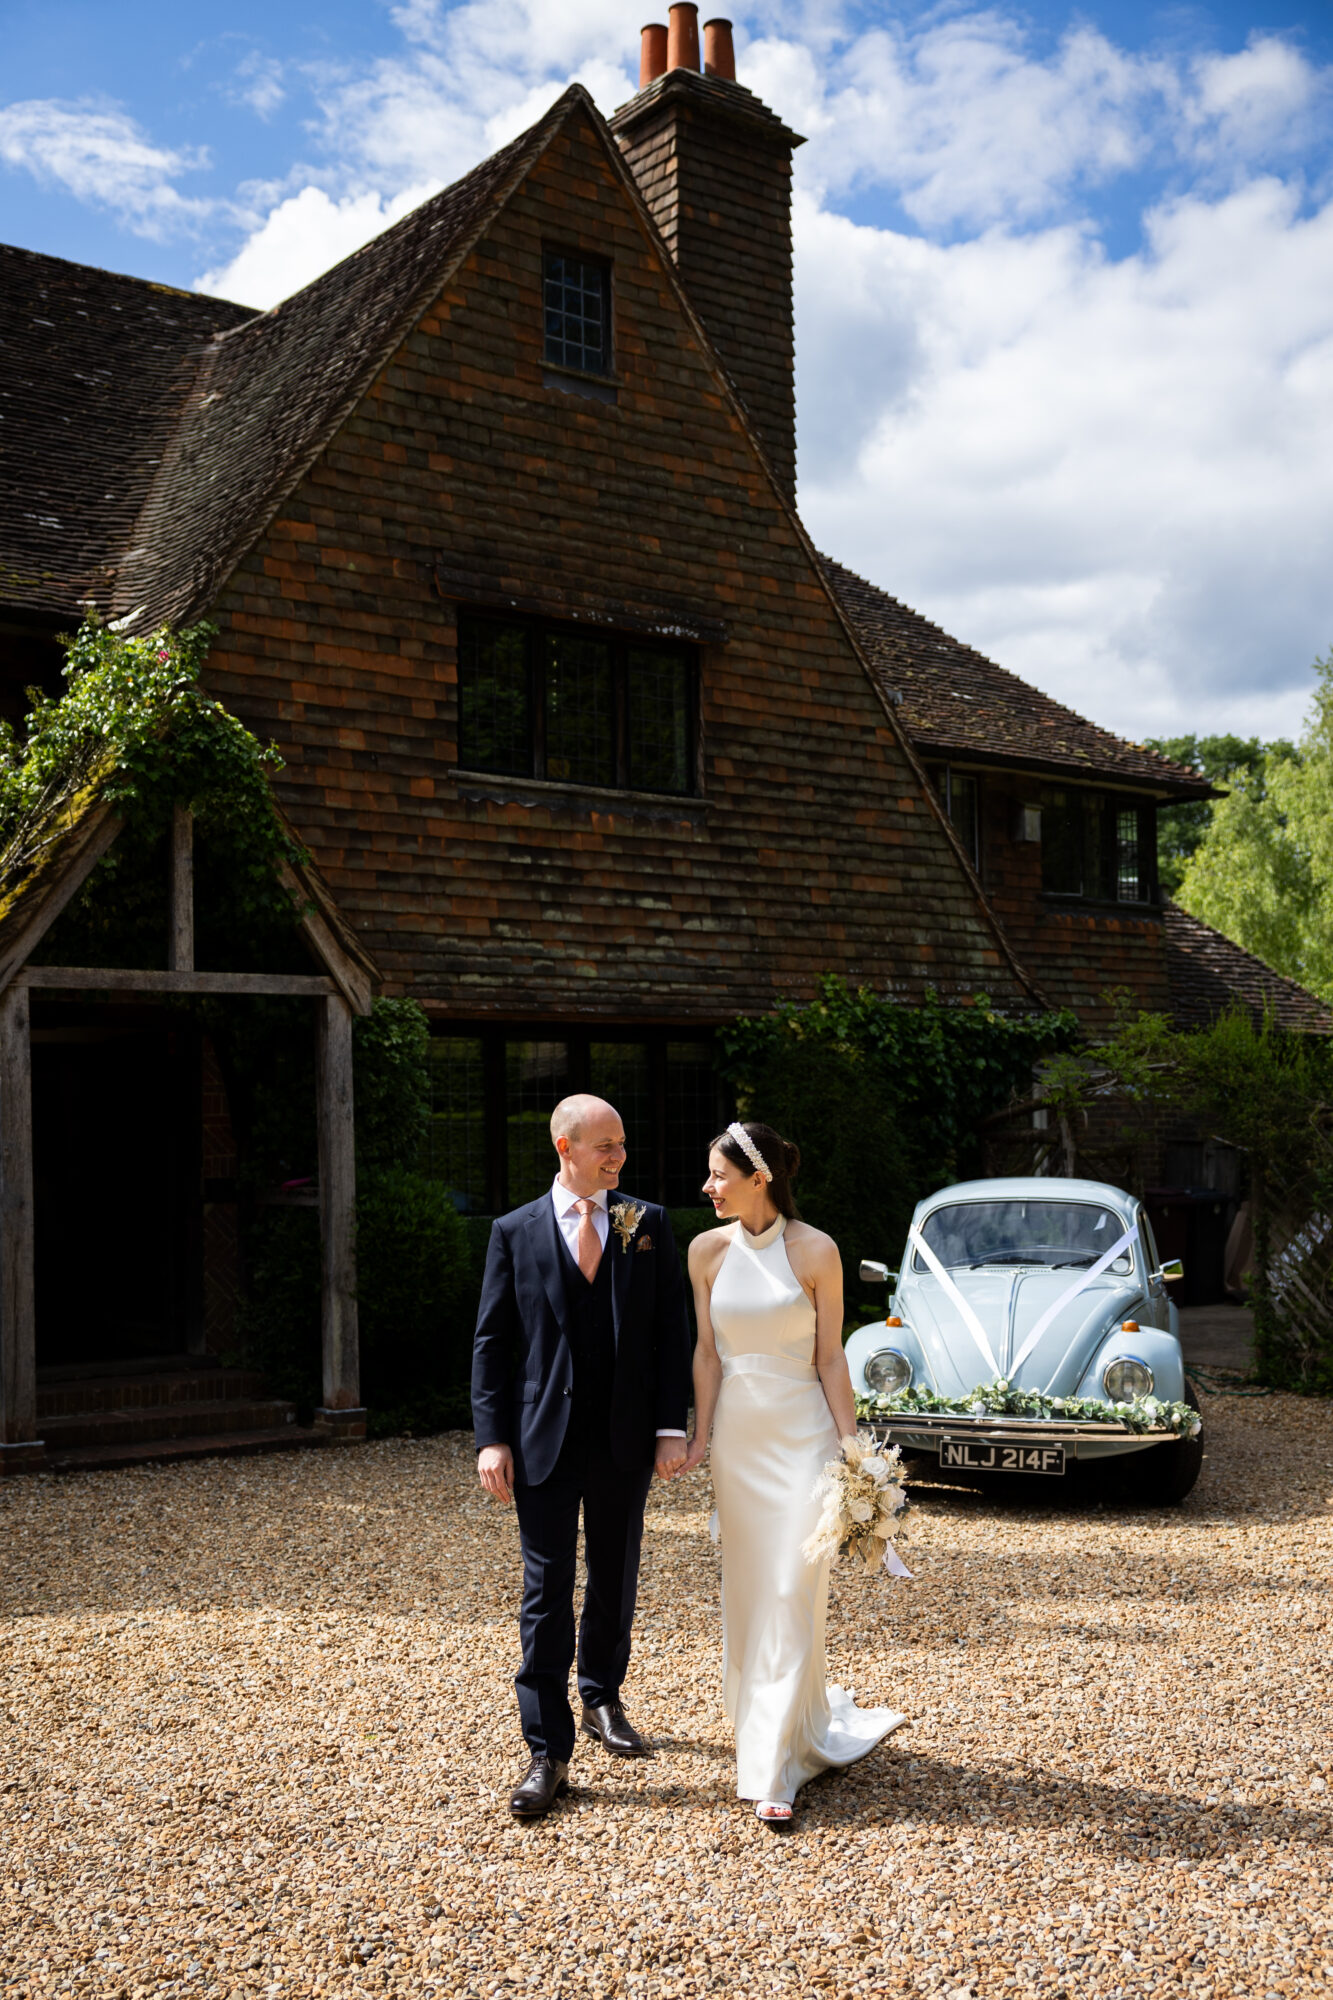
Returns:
(1127, 1821)
(954, 1798)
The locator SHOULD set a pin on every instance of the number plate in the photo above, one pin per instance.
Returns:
(970, 1455)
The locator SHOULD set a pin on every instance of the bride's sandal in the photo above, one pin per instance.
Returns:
(775, 1813)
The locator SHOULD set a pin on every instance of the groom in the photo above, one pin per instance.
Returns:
(580, 1383)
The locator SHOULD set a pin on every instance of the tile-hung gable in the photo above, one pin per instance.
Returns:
(557, 679)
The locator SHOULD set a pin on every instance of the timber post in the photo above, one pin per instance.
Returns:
(19, 1444)
(341, 1414)
(180, 944)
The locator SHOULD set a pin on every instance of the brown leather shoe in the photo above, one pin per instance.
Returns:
(539, 1788)
(608, 1725)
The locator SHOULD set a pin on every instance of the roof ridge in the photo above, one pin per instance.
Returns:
(155, 285)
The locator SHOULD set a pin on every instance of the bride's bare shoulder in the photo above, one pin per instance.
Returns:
(812, 1244)
(708, 1248)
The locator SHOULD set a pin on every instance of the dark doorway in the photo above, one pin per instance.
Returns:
(116, 1186)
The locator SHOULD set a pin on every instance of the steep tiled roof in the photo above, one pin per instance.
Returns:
(269, 395)
(957, 702)
(93, 371)
(1208, 973)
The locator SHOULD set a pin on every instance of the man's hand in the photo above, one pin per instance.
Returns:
(670, 1456)
(696, 1454)
(495, 1470)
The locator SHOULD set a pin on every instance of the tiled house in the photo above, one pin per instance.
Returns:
(497, 523)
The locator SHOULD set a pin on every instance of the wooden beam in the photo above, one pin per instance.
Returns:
(102, 828)
(341, 1414)
(18, 1344)
(352, 980)
(113, 979)
(180, 941)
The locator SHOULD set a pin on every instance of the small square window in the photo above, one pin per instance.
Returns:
(577, 306)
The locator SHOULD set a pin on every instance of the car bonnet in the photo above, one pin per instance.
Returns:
(1009, 1304)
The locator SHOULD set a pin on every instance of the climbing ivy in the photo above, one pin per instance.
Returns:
(135, 728)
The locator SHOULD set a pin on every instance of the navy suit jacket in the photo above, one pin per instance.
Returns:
(522, 1363)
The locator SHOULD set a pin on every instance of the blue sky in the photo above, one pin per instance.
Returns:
(1064, 275)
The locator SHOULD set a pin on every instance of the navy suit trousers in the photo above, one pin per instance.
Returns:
(548, 1521)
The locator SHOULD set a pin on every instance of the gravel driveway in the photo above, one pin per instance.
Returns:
(259, 1733)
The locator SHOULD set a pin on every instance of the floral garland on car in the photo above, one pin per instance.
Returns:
(1001, 1399)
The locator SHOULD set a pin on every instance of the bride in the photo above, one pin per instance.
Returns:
(771, 1386)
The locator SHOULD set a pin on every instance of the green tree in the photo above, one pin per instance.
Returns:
(1263, 871)
(1222, 760)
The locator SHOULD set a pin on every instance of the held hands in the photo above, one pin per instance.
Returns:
(696, 1454)
(495, 1470)
(670, 1457)
(675, 1457)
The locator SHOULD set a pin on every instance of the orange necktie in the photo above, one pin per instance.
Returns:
(590, 1250)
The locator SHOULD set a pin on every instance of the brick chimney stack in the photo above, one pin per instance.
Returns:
(714, 165)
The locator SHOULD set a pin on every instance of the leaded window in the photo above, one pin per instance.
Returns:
(493, 1090)
(454, 1150)
(537, 701)
(961, 796)
(494, 698)
(580, 710)
(577, 305)
(1097, 847)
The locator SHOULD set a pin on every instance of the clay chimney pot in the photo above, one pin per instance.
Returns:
(719, 51)
(683, 37)
(652, 53)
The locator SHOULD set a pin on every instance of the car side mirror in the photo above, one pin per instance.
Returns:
(1169, 1272)
(874, 1273)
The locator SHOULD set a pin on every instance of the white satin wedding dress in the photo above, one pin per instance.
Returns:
(772, 1436)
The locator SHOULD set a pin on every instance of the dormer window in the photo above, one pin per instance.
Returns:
(576, 297)
(1098, 846)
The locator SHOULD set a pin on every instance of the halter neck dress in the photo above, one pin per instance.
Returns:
(772, 1436)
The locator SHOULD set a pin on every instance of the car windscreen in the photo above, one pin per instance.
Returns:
(1064, 1235)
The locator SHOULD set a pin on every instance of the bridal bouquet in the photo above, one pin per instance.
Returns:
(861, 1501)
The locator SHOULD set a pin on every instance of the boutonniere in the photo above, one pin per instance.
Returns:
(644, 1243)
(625, 1219)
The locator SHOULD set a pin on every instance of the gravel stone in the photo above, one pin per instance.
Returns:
(259, 1734)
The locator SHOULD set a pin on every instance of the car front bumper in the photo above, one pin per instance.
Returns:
(917, 1431)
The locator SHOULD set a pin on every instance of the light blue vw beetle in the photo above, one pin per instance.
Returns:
(1028, 1327)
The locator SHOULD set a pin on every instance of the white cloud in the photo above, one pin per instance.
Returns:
(259, 85)
(97, 153)
(305, 234)
(1115, 477)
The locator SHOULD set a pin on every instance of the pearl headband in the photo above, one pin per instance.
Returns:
(751, 1151)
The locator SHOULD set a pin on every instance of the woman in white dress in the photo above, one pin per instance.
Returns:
(772, 1388)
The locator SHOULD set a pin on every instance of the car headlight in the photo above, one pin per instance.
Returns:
(1126, 1377)
(887, 1372)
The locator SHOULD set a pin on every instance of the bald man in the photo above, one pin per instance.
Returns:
(580, 1385)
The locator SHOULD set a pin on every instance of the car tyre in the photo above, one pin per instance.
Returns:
(1169, 1475)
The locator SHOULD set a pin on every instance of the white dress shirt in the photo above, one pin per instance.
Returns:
(568, 1219)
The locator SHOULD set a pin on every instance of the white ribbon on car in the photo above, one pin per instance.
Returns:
(916, 1241)
(1071, 1292)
